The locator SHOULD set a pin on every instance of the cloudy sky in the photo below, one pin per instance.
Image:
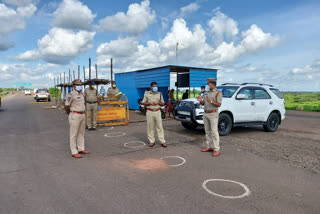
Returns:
(275, 42)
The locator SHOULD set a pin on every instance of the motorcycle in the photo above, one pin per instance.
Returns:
(143, 109)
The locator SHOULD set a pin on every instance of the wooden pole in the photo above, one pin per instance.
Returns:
(96, 71)
(89, 68)
(111, 71)
(84, 74)
(78, 71)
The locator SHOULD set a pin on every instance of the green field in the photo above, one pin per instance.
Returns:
(310, 101)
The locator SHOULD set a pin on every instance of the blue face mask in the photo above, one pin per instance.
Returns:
(155, 89)
(207, 88)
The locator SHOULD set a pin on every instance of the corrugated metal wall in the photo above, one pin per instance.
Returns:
(199, 77)
(134, 84)
(127, 85)
(160, 75)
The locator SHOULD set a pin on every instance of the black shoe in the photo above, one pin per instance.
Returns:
(90, 129)
(93, 129)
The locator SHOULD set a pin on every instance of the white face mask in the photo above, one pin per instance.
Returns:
(207, 88)
(78, 87)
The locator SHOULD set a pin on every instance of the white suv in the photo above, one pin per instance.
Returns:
(242, 105)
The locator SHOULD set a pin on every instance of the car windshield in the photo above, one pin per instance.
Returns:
(42, 91)
(277, 92)
(227, 91)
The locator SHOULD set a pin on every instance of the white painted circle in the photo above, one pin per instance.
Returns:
(134, 142)
(181, 158)
(110, 128)
(115, 134)
(246, 193)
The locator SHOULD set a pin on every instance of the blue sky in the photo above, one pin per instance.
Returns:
(275, 42)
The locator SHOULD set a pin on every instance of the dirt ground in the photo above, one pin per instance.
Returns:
(296, 142)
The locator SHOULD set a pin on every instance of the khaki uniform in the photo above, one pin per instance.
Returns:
(76, 121)
(91, 96)
(113, 91)
(154, 117)
(211, 120)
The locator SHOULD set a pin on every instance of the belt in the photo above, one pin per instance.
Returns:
(78, 112)
(212, 111)
(92, 102)
(149, 109)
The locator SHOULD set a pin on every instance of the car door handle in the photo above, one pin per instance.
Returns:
(252, 103)
(271, 103)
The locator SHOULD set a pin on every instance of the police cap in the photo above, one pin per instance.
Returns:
(76, 82)
(212, 80)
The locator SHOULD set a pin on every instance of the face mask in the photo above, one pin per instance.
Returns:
(202, 90)
(78, 88)
(113, 86)
(155, 89)
(207, 88)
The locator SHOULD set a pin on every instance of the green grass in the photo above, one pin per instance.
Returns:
(310, 101)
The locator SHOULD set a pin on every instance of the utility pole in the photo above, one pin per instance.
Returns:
(177, 46)
(89, 68)
(96, 71)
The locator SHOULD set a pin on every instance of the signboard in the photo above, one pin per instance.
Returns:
(112, 113)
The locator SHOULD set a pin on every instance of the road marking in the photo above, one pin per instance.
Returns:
(115, 134)
(181, 158)
(134, 142)
(246, 193)
(110, 128)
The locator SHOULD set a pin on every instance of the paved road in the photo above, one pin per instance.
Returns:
(38, 174)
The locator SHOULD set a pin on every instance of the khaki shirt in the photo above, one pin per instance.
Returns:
(91, 95)
(76, 101)
(113, 91)
(151, 97)
(212, 96)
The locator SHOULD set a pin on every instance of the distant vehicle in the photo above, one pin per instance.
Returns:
(244, 104)
(42, 94)
(27, 92)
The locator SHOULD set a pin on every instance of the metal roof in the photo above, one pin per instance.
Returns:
(174, 69)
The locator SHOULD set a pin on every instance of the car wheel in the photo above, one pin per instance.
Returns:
(37, 100)
(272, 123)
(190, 126)
(224, 124)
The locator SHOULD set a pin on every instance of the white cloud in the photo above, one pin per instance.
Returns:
(309, 69)
(192, 49)
(12, 20)
(135, 21)
(222, 25)
(20, 2)
(13, 73)
(72, 14)
(60, 46)
(189, 9)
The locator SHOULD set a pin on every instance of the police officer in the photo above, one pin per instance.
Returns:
(211, 101)
(153, 100)
(75, 107)
(113, 90)
(92, 103)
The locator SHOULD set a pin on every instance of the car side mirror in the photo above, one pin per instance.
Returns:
(241, 96)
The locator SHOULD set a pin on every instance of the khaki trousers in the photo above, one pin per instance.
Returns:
(77, 127)
(154, 120)
(92, 109)
(211, 127)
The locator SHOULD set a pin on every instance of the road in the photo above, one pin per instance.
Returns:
(38, 174)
